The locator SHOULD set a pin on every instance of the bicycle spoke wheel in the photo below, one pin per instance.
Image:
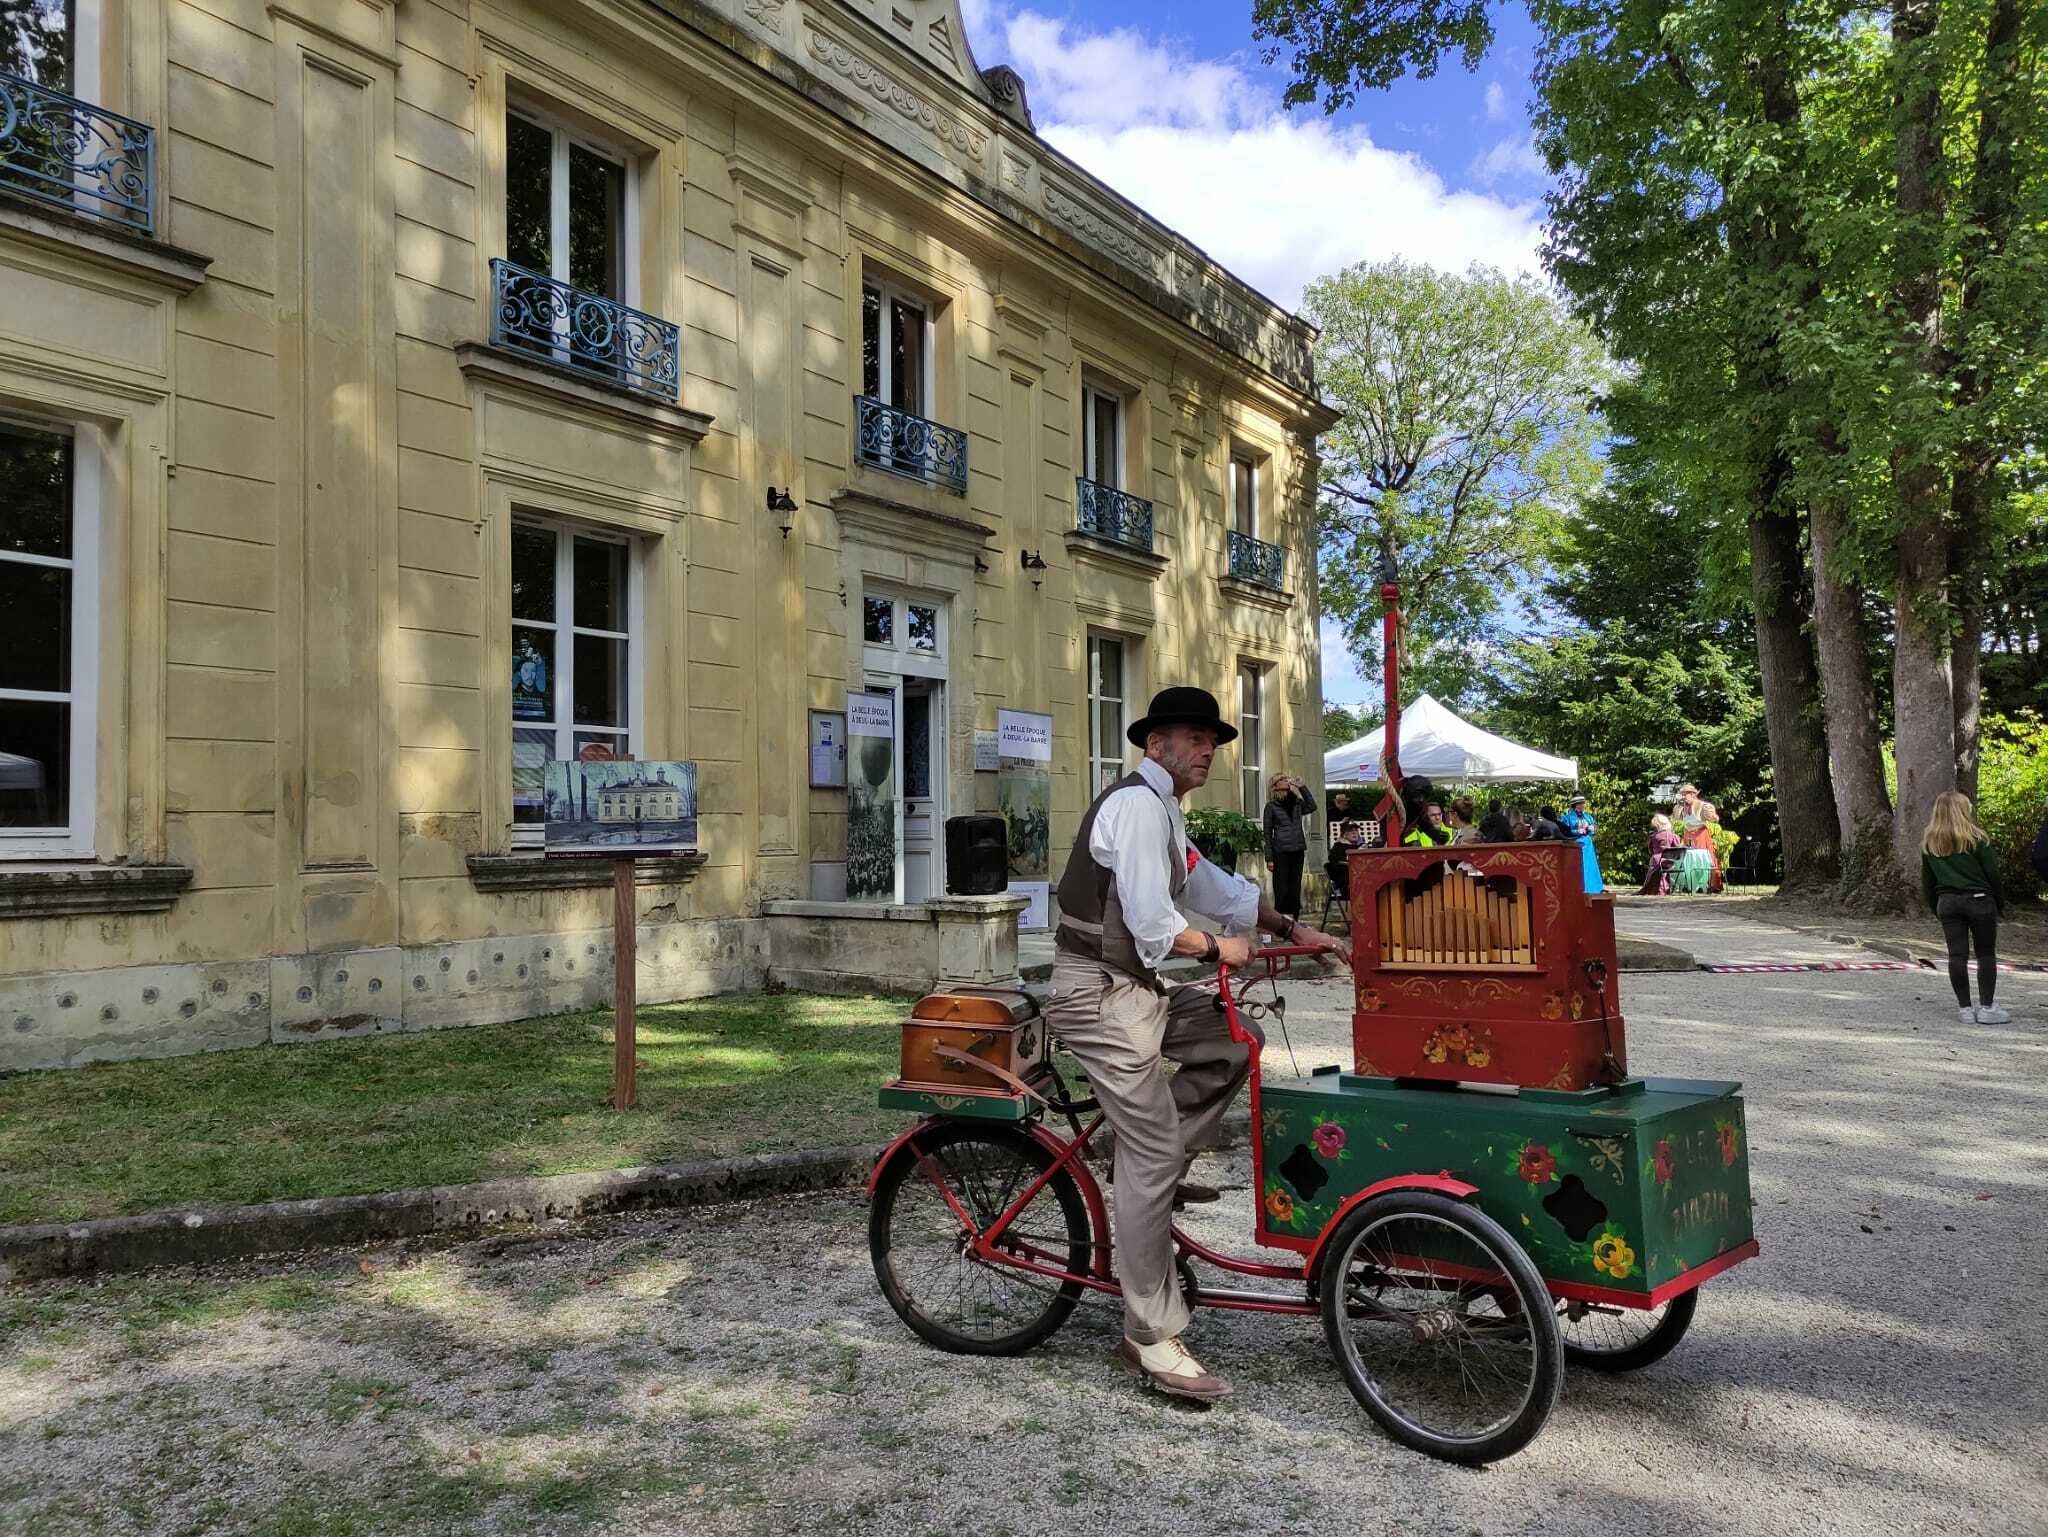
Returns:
(1614, 1339)
(920, 1246)
(1441, 1325)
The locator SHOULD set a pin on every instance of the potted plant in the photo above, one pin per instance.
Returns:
(1223, 835)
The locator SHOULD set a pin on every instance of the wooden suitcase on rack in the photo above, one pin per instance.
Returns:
(949, 1036)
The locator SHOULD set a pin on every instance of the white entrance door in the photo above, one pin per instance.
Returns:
(904, 648)
(922, 714)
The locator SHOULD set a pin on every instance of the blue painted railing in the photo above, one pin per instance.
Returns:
(1254, 560)
(584, 331)
(67, 152)
(891, 439)
(1108, 513)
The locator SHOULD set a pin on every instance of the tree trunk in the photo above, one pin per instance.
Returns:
(1855, 754)
(1923, 691)
(1994, 197)
(1807, 825)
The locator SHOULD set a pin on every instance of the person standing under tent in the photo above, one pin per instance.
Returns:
(1577, 823)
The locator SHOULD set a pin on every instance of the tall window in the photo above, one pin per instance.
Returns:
(52, 42)
(574, 668)
(1251, 738)
(1106, 701)
(49, 593)
(1244, 495)
(896, 341)
(567, 207)
(1102, 437)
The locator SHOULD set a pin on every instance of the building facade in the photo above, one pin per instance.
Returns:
(398, 394)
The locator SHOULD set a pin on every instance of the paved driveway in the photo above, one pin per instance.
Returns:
(1879, 1370)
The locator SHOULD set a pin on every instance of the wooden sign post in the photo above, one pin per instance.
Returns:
(625, 980)
(602, 807)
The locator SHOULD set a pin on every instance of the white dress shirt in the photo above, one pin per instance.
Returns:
(1129, 829)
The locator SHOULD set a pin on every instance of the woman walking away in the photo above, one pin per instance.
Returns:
(1959, 880)
(1289, 804)
(1578, 824)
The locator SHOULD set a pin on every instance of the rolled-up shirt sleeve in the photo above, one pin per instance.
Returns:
(1133, 837)
(1215, 893)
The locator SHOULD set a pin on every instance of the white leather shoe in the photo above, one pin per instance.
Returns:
(1992, 1014)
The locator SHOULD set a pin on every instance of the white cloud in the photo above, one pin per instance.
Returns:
(1205, 146)
(1496, 102)
(1343, 683)
(1510, 157)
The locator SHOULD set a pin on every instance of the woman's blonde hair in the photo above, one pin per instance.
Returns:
(1952, 826)
(1660, 823)
(1273, 785)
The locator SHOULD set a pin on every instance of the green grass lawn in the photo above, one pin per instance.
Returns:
(718, 1077)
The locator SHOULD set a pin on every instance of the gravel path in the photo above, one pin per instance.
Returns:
(1879, 1370)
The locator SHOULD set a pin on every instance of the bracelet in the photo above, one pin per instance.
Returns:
(1292, 925)
(1210, 949)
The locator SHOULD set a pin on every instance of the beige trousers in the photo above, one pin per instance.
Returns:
(1122, 1032)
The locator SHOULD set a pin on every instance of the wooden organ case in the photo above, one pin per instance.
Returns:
(1484, 963)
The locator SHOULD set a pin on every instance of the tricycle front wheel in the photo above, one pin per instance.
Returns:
(1441, 1325)
(1611, 1339)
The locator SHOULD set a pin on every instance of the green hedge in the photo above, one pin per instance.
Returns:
(2012, 792)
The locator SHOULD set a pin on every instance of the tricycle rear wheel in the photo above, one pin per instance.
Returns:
(920, 1247)
(1441, 1325)
(1611, 1339)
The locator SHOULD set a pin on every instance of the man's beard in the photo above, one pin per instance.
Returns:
(1183, 766)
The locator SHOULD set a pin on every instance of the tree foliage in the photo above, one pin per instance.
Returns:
(1468, 432)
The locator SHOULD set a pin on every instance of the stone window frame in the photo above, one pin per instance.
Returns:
(80, 834)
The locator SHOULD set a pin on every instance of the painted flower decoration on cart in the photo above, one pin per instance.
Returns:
(1538, 1165)
(1329, 1139)
(1730, 1143)
(1612, 1255)
(1279, 1205)
(1660, 1163)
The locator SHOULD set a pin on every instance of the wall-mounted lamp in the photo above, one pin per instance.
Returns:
(784, 503)
(1033, 563)
(980, 566)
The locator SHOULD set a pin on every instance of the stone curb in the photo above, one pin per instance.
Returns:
(1891, 949)
(109, 1245)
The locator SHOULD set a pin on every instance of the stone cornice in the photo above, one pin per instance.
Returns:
(99, 244)
(58, 891)
(502, 368)
(935, 109)
(536, 872)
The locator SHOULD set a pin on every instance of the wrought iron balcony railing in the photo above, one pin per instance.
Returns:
(895, 440)
(1108, 513)
(1254, 560)
(584, 331)
(67, 152)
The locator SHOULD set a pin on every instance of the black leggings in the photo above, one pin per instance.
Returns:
(1287, 883)
(1964, 918)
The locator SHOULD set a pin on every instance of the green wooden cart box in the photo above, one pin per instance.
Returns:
(1634, 1192)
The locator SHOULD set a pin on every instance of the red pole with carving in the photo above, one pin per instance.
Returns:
(1390, 741)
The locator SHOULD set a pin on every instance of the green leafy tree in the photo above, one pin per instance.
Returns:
(1468, 432)
(1341, 725)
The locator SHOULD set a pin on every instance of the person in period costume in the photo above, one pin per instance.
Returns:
(1698, 839)
(1665, 846)
(1288, 805)
(1130, 873)
(1959, 881)
(1577, 823)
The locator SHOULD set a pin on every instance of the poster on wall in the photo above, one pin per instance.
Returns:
(828, 750)
(1024, 797)
(622, 808)
(871, 796)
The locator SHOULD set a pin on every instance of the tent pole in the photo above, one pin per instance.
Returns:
(1390, 810)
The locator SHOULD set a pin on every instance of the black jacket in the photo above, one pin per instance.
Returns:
(1283, 819)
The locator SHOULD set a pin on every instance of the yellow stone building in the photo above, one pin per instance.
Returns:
(395, 394)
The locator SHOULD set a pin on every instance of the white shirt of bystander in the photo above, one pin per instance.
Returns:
(1129, 830)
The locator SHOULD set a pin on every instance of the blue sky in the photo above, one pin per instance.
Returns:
(1173, 108)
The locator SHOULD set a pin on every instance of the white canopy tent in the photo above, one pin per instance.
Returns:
(1438, 745)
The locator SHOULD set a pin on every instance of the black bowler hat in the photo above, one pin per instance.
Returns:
(1182, 707)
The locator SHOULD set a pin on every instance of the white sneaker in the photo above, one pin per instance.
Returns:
(1967, 1015)
(1992, 1014)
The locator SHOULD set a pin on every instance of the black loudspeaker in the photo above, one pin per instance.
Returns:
(977, 856)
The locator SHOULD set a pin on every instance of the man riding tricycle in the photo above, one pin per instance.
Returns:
(1460, 1233)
